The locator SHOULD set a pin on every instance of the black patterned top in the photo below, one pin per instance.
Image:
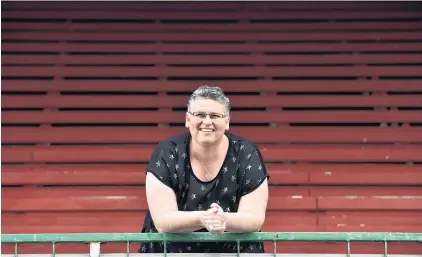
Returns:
(242, 172)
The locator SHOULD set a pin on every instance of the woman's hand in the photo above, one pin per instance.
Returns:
(214, 219)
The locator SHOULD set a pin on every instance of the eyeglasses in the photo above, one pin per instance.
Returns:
(203, 116)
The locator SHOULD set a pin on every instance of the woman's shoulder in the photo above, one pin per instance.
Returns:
(173, 142)
(241, 143)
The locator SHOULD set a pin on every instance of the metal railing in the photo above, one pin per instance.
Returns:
(95, 240)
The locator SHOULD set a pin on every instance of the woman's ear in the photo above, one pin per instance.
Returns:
(187, 118)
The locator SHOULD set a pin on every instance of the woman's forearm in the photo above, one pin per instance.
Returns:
(243, 222)
(179, 222)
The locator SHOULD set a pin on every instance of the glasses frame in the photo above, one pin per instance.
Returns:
(222, 116)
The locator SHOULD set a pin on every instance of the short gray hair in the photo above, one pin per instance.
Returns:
(210, 92)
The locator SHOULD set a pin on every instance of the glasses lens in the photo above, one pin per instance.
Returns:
(213, 116)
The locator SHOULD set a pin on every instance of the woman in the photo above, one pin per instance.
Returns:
(206, 180)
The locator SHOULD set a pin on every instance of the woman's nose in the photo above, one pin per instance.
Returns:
(207, 119)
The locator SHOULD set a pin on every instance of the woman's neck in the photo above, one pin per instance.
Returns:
(208, 153)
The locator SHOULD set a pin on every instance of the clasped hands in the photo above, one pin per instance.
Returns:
(214, 219)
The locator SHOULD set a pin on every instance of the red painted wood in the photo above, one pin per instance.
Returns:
(365, 220)
(124, 222)
(75, 154)
(129, 218)
(132, 14)
(207, 6)
(124, 203)
(291, 203)
(120, 199)
(211, 36)
(334, 59)
(282, 174)
(88, 192)
(356, 26)
(289, 228)
(41, 229)
(124, 174)
(15, 154)
(229, 27)
(133, 101)
(354, 174)
(256, 134)
(369, 203)
(270, 153)
(298, 203)
(75, 228)
(214, 36)
(236, 117)
(289, 219)
(127, 174)
(367, 174)
(110, 192)
(232, 86)
(211, 48)
(131, 6)
(281, 246)
(329, 6)
(83, 219)
(363, 228)
(127, 222)
(74, 204)
(366, 191)
(259, 71)
(291, 191)
(340, 153)
(73, 174)
(73, 199)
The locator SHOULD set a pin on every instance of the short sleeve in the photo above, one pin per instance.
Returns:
(255, 172)
(160, 163)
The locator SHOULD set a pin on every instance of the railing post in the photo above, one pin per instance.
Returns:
(94, 249)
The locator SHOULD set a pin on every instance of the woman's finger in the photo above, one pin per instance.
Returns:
(214, 217)
(214, 222)
(218, 207)
(218, 230)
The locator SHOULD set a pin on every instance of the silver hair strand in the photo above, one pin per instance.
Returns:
(210, 92)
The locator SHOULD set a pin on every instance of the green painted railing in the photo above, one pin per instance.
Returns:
(96, 239)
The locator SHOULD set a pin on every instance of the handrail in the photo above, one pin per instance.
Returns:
(203, 236)
(95, 239)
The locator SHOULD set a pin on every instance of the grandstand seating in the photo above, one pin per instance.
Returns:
(331, 93)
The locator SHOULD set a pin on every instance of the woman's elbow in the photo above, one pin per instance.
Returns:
(159, 223)
(254, 223)
(259, 223)
(161, 229)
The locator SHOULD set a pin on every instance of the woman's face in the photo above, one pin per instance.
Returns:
(207, 121)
